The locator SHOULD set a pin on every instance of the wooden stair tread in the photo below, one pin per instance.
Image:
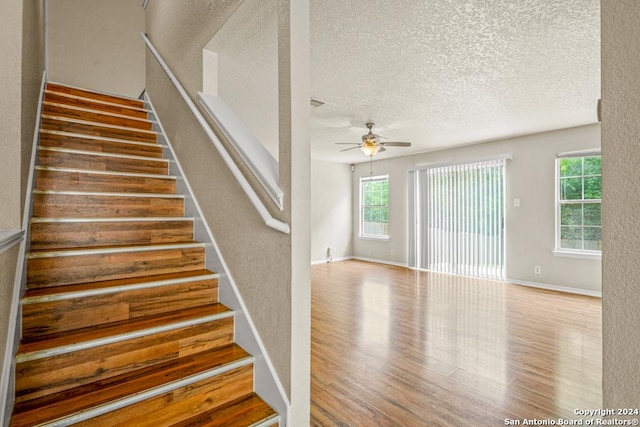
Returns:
(48, 117)
(83, 397)
(247, 410)
(62, 124)
(96, 137)
(79, 180)
(103, 117)
(94, 104)
(90, 234)
(116, 99)
(33, 293)
(152, 156)
(105, 172)
(100, 145)
(62, 339)
(97, 163)
(120, 248)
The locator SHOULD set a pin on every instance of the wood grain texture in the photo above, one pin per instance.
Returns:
(92, 104)
(50, 407)
(89, 143)
(181, 275)
(40, 377)
(58, 235)
(180, 404)
(118, 302)
(108, 183)
(46, 205)
(248, 410)
(94, 95)
(392, 346)
(87, 311)
(101, 163)
(67, 270)
(68, 125)
(71, 112)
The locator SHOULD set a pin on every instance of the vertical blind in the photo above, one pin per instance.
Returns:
(459, 219)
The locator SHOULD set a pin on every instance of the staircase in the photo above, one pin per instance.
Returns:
(121, 325)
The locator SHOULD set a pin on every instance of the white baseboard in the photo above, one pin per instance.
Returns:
(381, 261)
(556, 288)
(325, 261)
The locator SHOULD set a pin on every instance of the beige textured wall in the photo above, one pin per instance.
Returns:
(621, 202)
(32, 68)
(331, 209)
(271, 269)
(96, 44)
(10, 116)
(530, 228)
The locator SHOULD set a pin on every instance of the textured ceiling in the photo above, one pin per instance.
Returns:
(444, 73)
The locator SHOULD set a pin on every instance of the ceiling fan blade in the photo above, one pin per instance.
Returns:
(382, 149)
(380, 136)
(347, 149)
(396, 144)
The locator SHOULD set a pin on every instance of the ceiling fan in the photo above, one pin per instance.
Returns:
(371, 144)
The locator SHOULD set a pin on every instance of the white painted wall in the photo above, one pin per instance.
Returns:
(247, 74)
(621, 202)
(331, 210)
(530, 228)
(96, 44)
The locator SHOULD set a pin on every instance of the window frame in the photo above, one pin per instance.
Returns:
(361, 233)
(571, 252)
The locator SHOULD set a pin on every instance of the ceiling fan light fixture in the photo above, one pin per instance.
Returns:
(370, 149)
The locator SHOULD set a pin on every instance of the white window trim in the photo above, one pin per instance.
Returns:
(564, 252)
(361, 208)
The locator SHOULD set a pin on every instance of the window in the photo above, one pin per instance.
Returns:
(374, 207)
(579, 228)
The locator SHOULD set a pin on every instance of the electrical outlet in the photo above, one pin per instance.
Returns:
(392, 252)
(516, 203)
(537, 269)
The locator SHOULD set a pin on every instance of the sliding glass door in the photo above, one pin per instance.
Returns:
(458, 219)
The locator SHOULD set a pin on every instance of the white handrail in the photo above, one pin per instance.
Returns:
(9, 237)
(242, 180)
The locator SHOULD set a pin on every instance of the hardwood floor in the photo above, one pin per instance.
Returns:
(395, 347)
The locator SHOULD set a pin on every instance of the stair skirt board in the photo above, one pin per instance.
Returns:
(120, 317)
